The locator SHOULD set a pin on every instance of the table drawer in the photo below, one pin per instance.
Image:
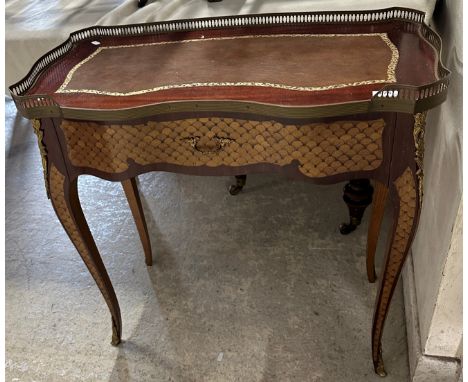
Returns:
(322, 149)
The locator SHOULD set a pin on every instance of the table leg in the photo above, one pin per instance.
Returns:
(64, 197)
(234, 189)
(133, 197)
(357, 195)
(378, 207)
(406, 210)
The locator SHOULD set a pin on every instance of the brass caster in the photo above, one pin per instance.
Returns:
(380, 368)
(115, 335)
(234, 189)
(347, 228)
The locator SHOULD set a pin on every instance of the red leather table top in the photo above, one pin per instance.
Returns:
(283, 65)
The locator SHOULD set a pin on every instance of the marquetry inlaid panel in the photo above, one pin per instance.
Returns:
(57, 194)
(321, 149)
(406, 189)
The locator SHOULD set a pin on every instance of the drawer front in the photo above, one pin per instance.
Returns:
(322, 149)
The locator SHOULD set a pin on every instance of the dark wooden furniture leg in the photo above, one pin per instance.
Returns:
(64, 197)
(378, 209)
(406, 209)
(133, 197)
(234, 189)
(357, 195)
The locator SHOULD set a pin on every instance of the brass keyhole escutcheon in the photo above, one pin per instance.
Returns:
(208, 145)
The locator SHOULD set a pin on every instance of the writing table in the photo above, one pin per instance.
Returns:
(325, 96)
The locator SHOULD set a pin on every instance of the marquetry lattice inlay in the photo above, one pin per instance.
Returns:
(407, 194)
(322, 149)
(388, 76)
(57, 194)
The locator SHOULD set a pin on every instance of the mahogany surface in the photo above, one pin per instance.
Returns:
(415, 66)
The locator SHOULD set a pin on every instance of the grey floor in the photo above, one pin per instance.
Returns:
(258, 287)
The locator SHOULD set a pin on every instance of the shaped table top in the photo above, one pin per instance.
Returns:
(295, 60)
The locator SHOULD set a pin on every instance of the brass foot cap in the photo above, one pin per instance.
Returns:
(115, 340)
(115, 335)
(380, 371)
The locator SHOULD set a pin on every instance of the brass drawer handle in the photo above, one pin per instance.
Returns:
(220, 144)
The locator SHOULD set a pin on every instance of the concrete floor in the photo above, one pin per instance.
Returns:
(257, 287)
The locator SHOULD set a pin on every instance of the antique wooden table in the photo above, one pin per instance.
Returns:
(328, 96)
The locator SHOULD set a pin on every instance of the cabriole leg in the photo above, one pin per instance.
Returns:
(64, 197)
(406, 209)
(133, 197)
(357, 195)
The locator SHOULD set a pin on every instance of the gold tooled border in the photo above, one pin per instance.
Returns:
(391, 78)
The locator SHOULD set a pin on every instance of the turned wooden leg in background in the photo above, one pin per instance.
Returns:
(406, 210)
(378, 208)
(133, 197)
(240, 183)
(64, 197)
(357, 195)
